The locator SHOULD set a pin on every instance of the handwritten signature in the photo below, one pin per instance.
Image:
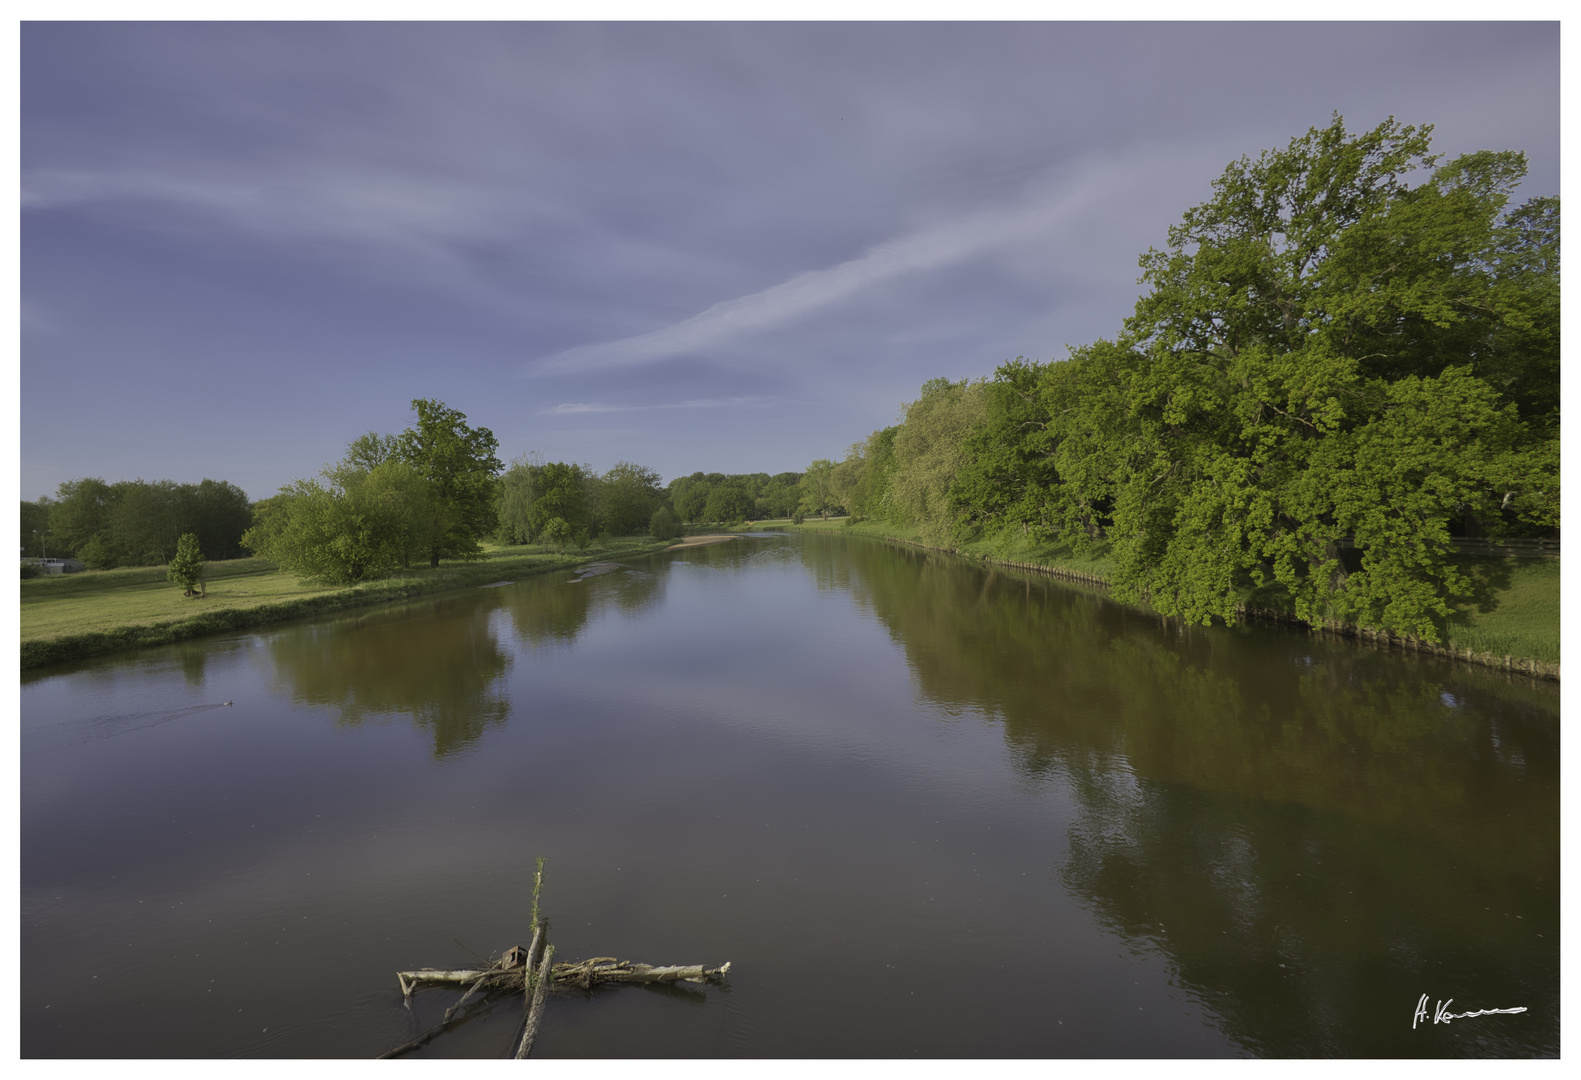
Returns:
(1442, 1015)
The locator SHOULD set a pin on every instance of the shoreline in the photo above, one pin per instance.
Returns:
(699, 541)
(1375, 639)
(47, 652)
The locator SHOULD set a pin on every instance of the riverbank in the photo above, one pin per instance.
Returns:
(100, 612)
(1511, 622)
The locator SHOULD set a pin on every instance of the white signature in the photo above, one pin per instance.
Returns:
(1442, 1015)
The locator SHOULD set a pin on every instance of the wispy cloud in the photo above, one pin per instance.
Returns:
(1042, 207)
(573, 407)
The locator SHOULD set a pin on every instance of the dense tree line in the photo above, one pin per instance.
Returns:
(1333, 372)
(135, 522)
(433, 491)
(560, 503)
(718, 498)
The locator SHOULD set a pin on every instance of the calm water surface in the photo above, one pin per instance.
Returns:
(924, 808)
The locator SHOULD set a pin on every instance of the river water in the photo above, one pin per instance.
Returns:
(924, 808)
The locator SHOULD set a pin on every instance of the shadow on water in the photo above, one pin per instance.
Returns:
(1313, 834)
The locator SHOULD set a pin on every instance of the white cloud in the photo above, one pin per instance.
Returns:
(573, 407)
(1043, 207)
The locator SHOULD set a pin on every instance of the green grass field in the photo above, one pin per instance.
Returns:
(97, 612)
(1515, 611)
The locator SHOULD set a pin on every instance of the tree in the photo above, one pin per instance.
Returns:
(562, 497)
(817, 488)
(729, 502)
(689, 496)
(34, 530)
(663, 525)
(458, 462)
(631, 494)
(349, 525)
(186, 567)
(1302, 380)
(1006, 481)
(930, 449)
(518, 489)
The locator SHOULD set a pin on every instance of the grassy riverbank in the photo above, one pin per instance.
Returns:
(94, 613)
(1513, 616)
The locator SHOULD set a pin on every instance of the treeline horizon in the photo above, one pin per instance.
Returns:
(435, 490)
(1333, 373)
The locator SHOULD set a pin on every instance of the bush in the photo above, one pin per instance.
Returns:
(663, 526)
(186, 569)
(31, 570)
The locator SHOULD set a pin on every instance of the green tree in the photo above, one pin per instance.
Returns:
(1006, 481)
(817, 488)
(663, 526)
(186, 567)
(730, 502)
(517, 491)
(34, 527)
(631, 494)
(562, 497)
(930, 448)
(689, 496)
(459, 464)
(347, 526)
(1302, 377)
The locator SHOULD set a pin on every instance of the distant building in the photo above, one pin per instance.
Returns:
(57, 566)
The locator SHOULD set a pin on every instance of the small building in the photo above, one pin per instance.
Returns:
(57, 566)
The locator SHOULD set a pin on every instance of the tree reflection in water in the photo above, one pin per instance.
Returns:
(1314, 833)
(443, 671)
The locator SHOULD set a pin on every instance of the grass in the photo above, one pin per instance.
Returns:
(1515, 611)
(96, 612)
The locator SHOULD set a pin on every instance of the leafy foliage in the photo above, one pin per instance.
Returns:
(348, 526)
(139, 523)
(459, 464)
(186, 568)
(1333, 369)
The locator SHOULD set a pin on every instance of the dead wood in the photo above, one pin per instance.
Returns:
(540, 993)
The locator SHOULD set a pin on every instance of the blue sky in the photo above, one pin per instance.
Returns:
(726, 247)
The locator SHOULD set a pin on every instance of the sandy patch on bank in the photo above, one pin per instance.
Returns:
(694, 541)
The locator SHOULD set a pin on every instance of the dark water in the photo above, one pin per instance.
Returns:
(923, 808)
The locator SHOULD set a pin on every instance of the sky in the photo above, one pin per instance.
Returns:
(727, 247)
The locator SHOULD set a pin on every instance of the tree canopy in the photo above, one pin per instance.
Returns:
(459, 463)
(1347, 353)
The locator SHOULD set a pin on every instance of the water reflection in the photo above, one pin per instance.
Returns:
(444, 672)
(1228, 781)
(552, 609)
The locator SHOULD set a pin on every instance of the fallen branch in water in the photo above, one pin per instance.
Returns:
(431, 1033)
(583, 974)
(540, 993)
(533, 974)
(607, 969)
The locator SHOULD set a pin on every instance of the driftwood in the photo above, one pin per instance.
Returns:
(607, 969)
(450, 1015)
(540, 992)
(582, 974)
(524, 970)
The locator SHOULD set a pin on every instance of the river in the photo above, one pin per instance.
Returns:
(925, 809)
